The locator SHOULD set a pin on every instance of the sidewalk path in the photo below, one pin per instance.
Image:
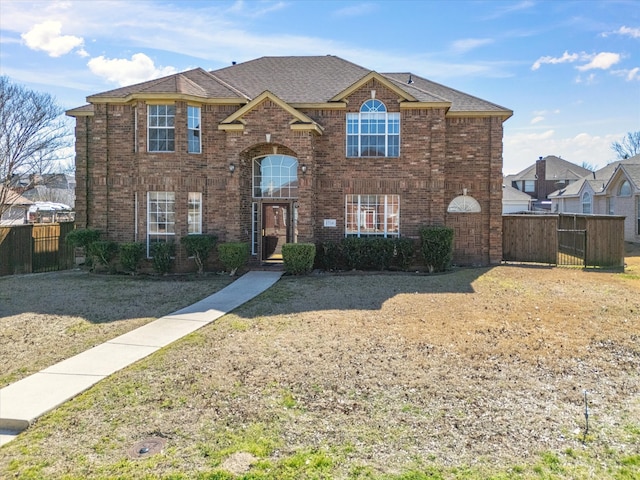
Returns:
(24, 401)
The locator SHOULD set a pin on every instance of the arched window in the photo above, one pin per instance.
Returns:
(586, 202)
(275, 176)
(373, 132)
(464, 204)
(625, 189)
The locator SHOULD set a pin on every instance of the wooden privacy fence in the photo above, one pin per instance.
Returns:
(564, 239)
(35, 248)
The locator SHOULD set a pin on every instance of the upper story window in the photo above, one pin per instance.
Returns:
(586, 202)
(161, 128)
(193, 129)
(373, 132)
(530, 186)
(625, 189)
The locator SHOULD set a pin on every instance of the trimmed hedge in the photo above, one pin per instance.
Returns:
(233, 255)
(199, 247)
(375, 253)
(298, 257)
(437, 247)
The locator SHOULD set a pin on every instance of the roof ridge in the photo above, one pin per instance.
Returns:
(412, 85)
(227, 85)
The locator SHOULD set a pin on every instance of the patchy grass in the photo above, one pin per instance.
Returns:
(475, 374)
(45, 318)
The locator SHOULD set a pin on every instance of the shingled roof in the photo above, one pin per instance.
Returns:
(296, 80)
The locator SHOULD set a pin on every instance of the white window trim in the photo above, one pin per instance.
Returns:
(358, 118)
(191, 108)
(361, 212)
(164, 127)
(171, 224)
(197, 200)
(587, 195)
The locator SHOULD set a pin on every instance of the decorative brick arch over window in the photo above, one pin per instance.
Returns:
(464, 204)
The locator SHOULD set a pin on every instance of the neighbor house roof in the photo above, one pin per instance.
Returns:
(14, 199)
(296, 80)
(599, 179)
(556, 168)
(511, 194)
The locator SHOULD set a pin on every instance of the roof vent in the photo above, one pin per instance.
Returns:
(233, 63)
(410, 81)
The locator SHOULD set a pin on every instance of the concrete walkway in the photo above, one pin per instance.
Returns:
(24, 401)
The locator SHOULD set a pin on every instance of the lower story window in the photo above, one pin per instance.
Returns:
(372, 215)
(195, 213)
(161, 214)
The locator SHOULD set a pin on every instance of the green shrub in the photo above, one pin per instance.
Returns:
(329, 256)
(163, 253)
(298, 257)
(437, 247)
(404, 251)
(233, 255)
(368, 253)
(82, 238)
(103, 251)
(199, 247)
(131, 254)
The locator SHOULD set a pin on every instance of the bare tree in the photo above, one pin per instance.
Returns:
(33, 136)
(628, 147)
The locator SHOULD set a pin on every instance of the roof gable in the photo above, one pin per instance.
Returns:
(403, 94)
(300, 121)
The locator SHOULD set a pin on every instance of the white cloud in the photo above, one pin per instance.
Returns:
(466, 44)
(523, 149)
(355, 10)
(47, 36)
(625, 31)
(628, 75)
(126, 72)
(602, 61)
(565, 58)
(537, 119)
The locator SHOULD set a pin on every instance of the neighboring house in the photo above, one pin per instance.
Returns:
(612, 190)
(546, 176)
(15, 208)
(50, 187)
(515, 201)
(291, 149)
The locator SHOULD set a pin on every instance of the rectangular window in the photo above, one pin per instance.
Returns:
(160, 218)
(373, 134)
(195, 213)
(611, 205)
(193, 129)
(372, 215)
(161, 128)
(529, 186)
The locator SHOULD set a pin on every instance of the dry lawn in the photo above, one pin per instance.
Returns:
(478, 373)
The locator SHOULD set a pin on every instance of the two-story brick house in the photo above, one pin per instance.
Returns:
(291, 149)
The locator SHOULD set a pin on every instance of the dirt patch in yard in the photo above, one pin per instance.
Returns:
(359, 376)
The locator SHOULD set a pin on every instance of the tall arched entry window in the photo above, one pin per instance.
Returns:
(275, 189)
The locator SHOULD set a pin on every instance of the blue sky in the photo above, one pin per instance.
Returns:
(570, 70)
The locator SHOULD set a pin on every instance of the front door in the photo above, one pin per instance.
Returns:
(276, 230)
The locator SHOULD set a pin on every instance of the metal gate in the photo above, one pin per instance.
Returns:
(572, 247)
